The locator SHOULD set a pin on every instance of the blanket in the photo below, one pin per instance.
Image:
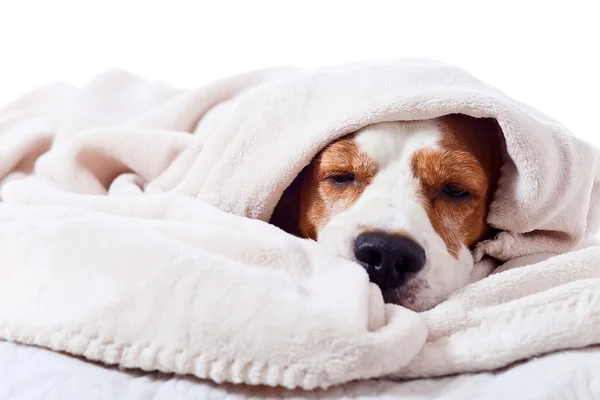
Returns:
(33, 373)
(134, 230)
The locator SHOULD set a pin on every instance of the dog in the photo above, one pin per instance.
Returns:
(407, 200)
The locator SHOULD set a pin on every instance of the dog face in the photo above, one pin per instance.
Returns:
(406, 200)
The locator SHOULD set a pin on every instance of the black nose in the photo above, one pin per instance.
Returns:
(389, 259)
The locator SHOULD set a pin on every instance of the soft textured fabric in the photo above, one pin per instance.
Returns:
(133, 230)
(32, 373)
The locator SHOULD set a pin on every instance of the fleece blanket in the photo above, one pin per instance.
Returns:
(134, 230)
(34, 373)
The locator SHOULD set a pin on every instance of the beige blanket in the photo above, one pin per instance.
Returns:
(133, 230)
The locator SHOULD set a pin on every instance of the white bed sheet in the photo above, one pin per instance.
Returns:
(33, 373)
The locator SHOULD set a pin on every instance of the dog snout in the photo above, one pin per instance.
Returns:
(390, 259)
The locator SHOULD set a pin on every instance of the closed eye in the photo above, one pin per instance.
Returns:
(342, 178)
(455, 190)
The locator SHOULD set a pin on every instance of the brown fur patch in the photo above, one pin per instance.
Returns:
(470, 159)
(320, 196)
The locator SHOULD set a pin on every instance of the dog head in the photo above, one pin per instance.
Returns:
(406, 200)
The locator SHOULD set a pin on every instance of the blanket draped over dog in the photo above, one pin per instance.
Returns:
(134, 230)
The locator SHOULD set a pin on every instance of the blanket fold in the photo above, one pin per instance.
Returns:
(134, 230)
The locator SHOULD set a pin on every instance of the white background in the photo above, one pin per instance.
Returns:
(545, 53)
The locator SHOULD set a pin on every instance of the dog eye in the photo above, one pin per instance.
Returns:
(455, 190)
(343, 178)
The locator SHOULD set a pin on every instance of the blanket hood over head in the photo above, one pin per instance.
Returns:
(544, 199)
(124, 235)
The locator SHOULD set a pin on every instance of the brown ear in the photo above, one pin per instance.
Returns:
(490, 147)
(488, 144)
(496, 145)
(286, 215)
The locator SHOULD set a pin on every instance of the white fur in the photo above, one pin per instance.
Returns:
(391, 202)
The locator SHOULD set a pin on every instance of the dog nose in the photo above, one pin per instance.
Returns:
(389, 259)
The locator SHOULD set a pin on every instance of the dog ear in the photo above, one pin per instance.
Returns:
(491, 151)
(497, 154)
(286, 215)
